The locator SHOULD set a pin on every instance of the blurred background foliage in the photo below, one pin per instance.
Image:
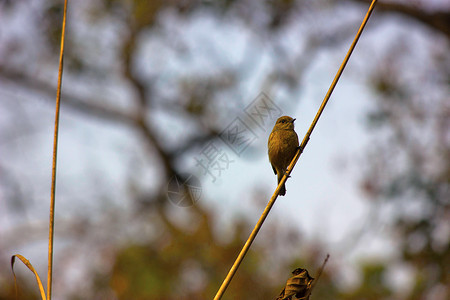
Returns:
(131, 65)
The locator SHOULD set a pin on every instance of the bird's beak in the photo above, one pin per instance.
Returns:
(293, 120)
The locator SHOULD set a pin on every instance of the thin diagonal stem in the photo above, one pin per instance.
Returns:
(319, 272)
(55, 152)
(266, 211)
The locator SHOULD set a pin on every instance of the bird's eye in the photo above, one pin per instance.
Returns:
(283, 121)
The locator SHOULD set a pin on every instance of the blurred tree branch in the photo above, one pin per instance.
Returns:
(76, 103)
(114, 115)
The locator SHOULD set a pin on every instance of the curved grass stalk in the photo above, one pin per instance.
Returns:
(27, 263)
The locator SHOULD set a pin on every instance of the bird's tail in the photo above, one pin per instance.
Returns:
(282, 191)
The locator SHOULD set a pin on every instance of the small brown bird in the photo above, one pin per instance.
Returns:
(283, 144)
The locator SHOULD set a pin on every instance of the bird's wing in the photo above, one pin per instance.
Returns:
(274, 170)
